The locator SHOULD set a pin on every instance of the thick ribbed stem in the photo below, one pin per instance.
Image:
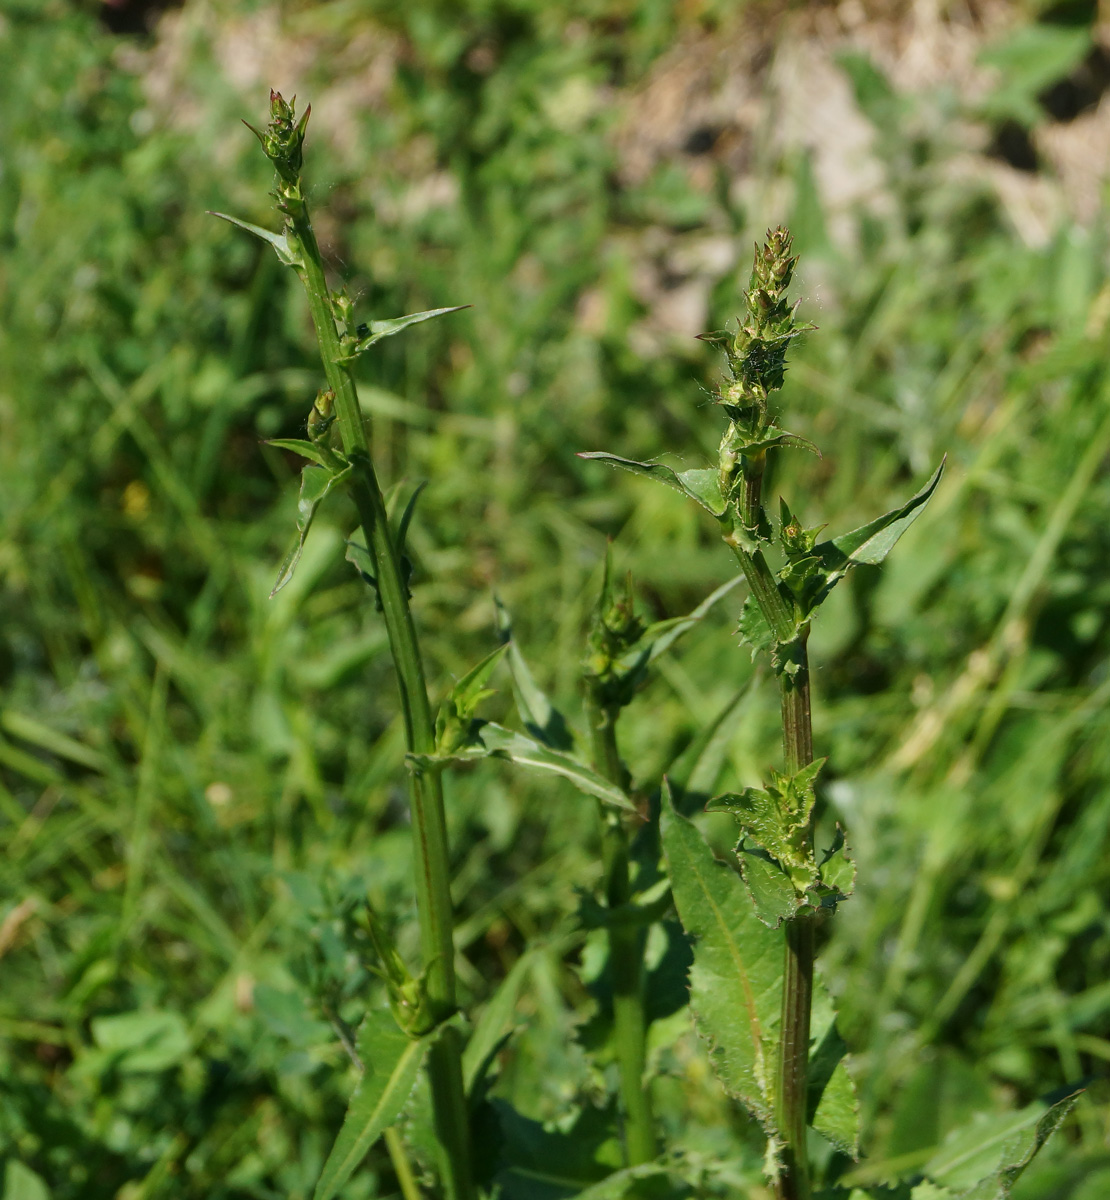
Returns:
(626, 952)
(433, 896)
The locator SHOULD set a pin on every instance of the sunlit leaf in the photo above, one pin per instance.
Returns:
(540, 716)
(391, 1060)
(701, 484)
(377, 330)
(289, 254)
(299, 446)
(316, 483)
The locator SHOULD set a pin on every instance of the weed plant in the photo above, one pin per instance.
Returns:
(198, 782)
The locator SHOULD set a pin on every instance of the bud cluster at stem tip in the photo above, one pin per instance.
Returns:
(283, 141)
(757, 353)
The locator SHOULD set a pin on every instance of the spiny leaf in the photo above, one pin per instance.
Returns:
(771, 890)
(773, 438)
(541, 718)
(391, 1061)
(377, 330)
(984, 1159)
(316, 483)
(288, 254)
(701, 484)
(837, 870)
(753, 627)
(736, 979)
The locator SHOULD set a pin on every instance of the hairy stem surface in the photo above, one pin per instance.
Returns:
(626, 951)
(433, 895)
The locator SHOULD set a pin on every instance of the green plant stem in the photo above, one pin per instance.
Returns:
(626, 953)
(797, 983)
(751, 490)
(402, 1168)
(433, 896)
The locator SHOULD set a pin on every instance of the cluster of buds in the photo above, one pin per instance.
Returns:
(757, 353)
(283, 142)
(615, 629)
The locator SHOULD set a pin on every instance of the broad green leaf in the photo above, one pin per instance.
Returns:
(390, 1061)
(299, 446)
(289, 254)
(983, 1160)
(871, 543)
(701, 484)
(541, 718)
(836, 869)
(540, 1163)
(736, 978)
(377, 330)
(316, 483)
(496, 1019)
(21, 1183)
(831, 1094)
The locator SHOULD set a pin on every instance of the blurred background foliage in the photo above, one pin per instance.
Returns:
(196, 782)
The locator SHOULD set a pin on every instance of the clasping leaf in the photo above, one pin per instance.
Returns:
(288, 252)
(701, 484)
(375, 331)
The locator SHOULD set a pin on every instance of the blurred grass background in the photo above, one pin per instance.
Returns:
(195, 780)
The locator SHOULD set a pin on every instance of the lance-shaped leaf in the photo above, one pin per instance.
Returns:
(299, 446)
(983, 1160)
(658, 638)
(289, 253)
(736, 977)
(375, 331)
(489, 740)
(540, 716)
(391, 1060)
(701, 483)
(316, 483)
(871, 543)
(736, 988)
(773, 439)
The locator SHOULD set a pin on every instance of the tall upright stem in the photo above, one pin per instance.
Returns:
(626, 951)
(433, 896)
(797, 982)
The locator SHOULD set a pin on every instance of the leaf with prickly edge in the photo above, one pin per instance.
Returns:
(833, 1107)
(453, 722)
(753, 627)
(701, 484)
(837, 871)
(299, 446)
(391, 1060)
(489, 740)
(771, 890)
(288, 253)
(541, 718)
(871, 543)
(316, 483)
(377, 330)
(736, 977)
(983, 1159)
(657, 639)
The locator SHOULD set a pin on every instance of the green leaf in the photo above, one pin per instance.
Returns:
(871, 543)
(701, 484)
(831, 1094)
(624, 1182)
(391, 1061)
(143, 1041)
(541, 718)
(496, 1020)
(930, 1191)
(736, 978)
(984, 1159)
(377, 330)
(455, 715)
(753, 627)
(402, 532)
(316, 483)
(489, 740)
(836, 870)
(1029, 60)
(773, 439)
(21, 1183)
(300, 446)
(289, 254)
(770, 888)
